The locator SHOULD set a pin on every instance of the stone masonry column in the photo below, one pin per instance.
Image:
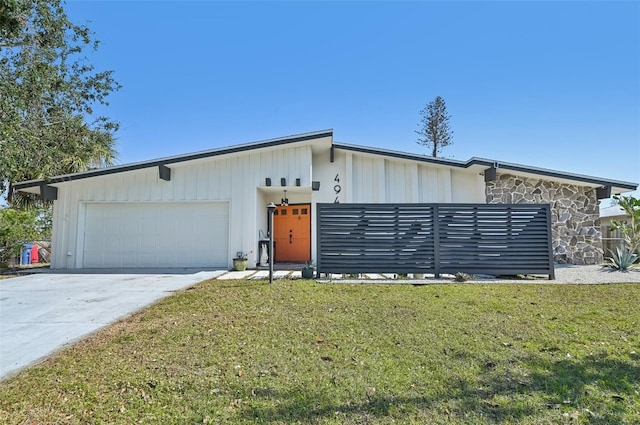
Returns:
(575, 214)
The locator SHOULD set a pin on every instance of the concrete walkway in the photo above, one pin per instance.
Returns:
(42, 313)
(259, 274)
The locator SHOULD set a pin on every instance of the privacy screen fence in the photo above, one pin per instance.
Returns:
(495, 239)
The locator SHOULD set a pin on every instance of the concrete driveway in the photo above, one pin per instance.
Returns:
(42, 313)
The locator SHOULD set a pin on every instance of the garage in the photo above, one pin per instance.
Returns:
(159, 235)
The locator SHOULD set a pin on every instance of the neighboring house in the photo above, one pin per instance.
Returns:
(611, 239)
(199, 209)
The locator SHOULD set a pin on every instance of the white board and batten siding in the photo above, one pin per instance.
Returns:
(213, 207)
(201, 217)
(375, 179)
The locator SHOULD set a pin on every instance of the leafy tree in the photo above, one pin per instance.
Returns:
(16, 228)
(10, 21)
(630, 229)
(434, 128)
(44, 221)
(48, 92)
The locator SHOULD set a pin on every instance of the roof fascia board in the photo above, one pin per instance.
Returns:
(177, 159)
(566, 176)
(484, 162)
(400, 155)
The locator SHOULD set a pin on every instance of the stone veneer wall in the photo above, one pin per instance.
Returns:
(575, 214)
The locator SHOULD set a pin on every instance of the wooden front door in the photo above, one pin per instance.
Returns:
(292, 233)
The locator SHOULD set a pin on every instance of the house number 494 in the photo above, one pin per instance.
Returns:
(337, 188)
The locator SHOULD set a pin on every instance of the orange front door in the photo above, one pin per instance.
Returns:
(292, 233)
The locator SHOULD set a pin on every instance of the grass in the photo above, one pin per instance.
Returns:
(302, 352)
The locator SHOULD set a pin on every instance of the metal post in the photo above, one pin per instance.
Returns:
(271, 208)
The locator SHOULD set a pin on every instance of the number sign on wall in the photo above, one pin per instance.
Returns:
(337, 189)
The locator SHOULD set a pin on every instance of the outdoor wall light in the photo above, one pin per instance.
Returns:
(283, 181)
(267, 181)
(284, 201)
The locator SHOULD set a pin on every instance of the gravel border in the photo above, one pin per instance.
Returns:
(565, 274)
(594, 274)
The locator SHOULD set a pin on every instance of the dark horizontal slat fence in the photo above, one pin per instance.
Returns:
(497, 239)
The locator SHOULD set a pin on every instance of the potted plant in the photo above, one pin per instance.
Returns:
(308, 270)
(240, 261)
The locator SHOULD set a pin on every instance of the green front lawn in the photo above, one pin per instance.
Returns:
(304, 352)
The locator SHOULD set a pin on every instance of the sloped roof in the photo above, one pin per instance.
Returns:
(175, 159)
(617, 186)
(479, 163)
(612, 211)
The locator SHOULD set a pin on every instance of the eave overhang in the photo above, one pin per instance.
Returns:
(33, 186)
(492, 166)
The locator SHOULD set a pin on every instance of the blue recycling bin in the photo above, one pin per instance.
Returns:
(25, 258)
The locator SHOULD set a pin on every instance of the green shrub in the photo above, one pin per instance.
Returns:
(630, 228)
(16, 228)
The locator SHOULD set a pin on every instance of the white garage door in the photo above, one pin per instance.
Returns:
(189, 234)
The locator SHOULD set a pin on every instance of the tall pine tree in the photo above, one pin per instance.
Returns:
(434, 128)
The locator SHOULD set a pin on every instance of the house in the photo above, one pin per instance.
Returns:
(199, 209)
(612, 239)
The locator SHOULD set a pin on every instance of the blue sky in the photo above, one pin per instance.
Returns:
(547, 84)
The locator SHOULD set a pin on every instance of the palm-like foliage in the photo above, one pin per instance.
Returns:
(629, 228)
(48, 93)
